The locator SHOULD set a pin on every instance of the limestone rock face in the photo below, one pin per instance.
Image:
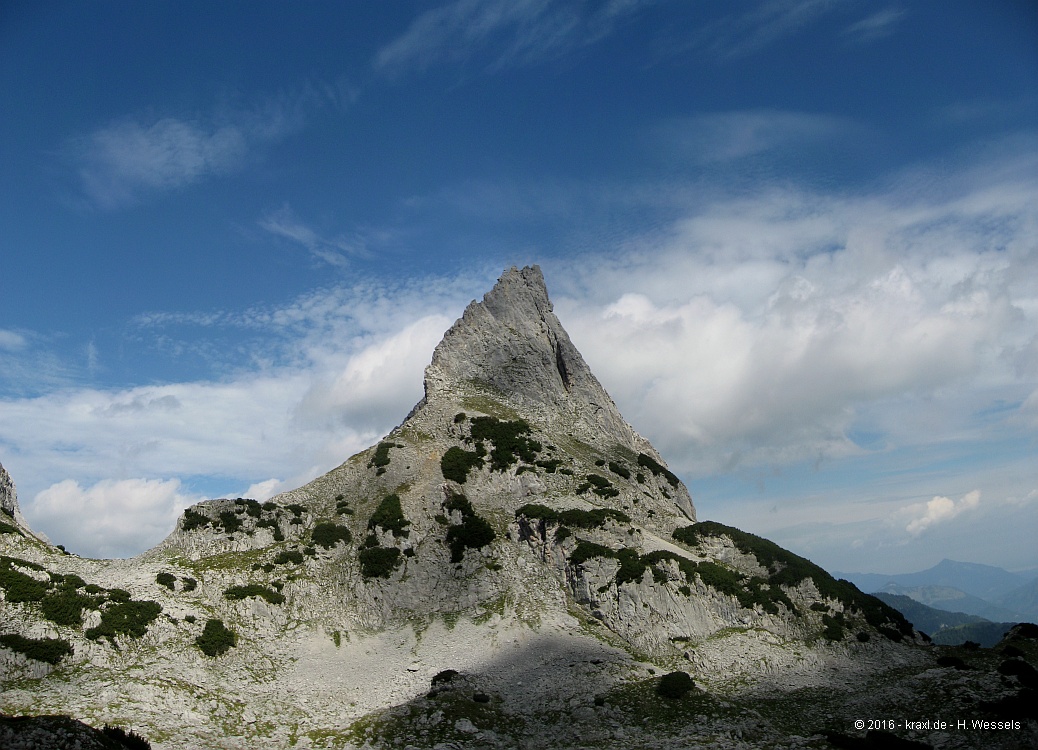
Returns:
(511, 343)
(9, 504)
(509, 567)
(8, 493)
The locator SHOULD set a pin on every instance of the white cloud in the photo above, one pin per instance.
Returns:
(879, 24)
(112, 518)
(333, 251)
(518, 32)
(122, 160)
(11, 341)
(763, 330)
(940, 509)
(743, 34)
(266, 489)
(727, 136)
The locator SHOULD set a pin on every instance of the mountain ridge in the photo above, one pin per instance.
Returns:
(513, 557)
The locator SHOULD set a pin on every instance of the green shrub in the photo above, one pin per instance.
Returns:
(252, 507)
(131, 741)
(508, 439)
(190, 619)
(118, 595)
(658, 469)
(231, 523)
(675, 685)
(562, 534)
(194, 520)
(18, 586)
(586, 550)
(190, 584)
(216, 639)
(457, 462)
(620, 471)
(329, 534)
(289, 557)
(472, 533)
(236, 593)
(789, 569)
(381, 458)
(130, 618)
(297, 509)
(65, 607)
(49, 650)
(833, 629)
(168, 580)
(6, 528)
(378, 562)
(581, 519)
(390, 516)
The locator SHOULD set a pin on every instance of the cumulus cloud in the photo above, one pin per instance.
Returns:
(266, 489)
(764, 330)
(940, 509)
(112, 518)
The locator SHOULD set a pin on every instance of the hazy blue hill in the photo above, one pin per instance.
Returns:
(987, 634)
(1023, 600)
(947, 628)
(952, 599)
(982, 581)
(925, 618)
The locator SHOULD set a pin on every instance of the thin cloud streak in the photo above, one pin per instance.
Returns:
(520, 32)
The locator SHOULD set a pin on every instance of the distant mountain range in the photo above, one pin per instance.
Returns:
(947, 628)
(985, 592)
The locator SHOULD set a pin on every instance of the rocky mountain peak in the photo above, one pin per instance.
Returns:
(511, 345)
(8, 493)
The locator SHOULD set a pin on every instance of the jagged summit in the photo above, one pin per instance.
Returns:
(511, 567)
(513, 346)
(9, 502)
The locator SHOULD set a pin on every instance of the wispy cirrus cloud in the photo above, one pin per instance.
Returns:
(335, 251)
(511, 32)
(742, 34)
(729, 136)
(875, 26)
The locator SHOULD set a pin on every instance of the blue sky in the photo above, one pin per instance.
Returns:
(796, 240)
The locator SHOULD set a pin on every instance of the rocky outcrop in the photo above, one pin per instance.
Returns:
(8, 494)
(514, 530)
